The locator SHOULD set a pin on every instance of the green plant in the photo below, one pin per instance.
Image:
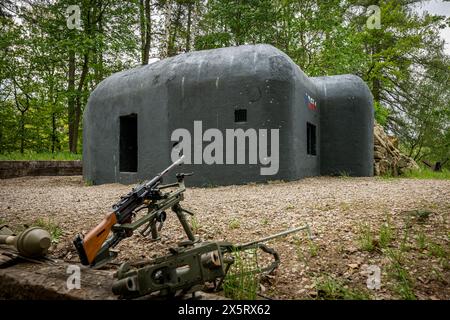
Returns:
(387, 176)
(436, 250)
(404, 244)
(386, 235)
(403, 282)
(436, 274)
(242, 280)
(428, 174)
(330, 288)
(34, 156)
(344, 174)
(422, 215)
(366, 240)
(88, 183)
(313, 248)
(195, 225)
(381, 113)
(234, 224)
(53, 228)
(265, 222)
(345, 206)
(421, 241)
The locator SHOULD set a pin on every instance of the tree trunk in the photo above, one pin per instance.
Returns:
(53, 131)
(171, 51)
(376, 89)
(145, 29)
(71, 100)
(167, 25)
(78, 104)
(97, 56)
(22, 131)
(189, 24)
(22, 109)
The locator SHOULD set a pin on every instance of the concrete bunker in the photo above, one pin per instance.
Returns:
(324, 125)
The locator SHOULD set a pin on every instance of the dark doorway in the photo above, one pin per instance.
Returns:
(311, 139)
(128, 161)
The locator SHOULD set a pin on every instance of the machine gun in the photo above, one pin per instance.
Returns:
(94, 248)
(188, 268)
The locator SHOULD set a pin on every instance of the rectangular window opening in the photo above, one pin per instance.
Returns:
(240, 115)
(311, 139)
(128, 160)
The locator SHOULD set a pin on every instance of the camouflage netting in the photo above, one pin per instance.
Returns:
(388, 158)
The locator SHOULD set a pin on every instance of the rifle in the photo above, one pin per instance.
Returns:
(94, 248)
(189, 267)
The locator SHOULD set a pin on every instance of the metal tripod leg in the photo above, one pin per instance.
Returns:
(187, 228)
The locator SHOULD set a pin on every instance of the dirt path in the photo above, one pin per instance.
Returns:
(345, 215)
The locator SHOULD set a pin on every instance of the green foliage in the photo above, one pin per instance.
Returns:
(403, 63)
(195, 225)
(421, 241)
(330, 288)
(404, 243)
(344, 174)
(312, 250)
(386, 235)
(234, 224)
(30, 155)
(403, 282)
(54, 229)
(436, 250)
(242, 280)
(381, 113)
(366, 239)
(421, 215)
(428, 174)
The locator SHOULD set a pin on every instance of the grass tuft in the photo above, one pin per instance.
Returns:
(421, 241)
(428, 174)
(366, 239)
(35, 156)
(386, 235)
(234, 224)
(242, 280)
(195, 225)
(403, 282)
(54, 229)
(330, 288)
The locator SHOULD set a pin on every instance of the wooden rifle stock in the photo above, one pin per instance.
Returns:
(94, 240)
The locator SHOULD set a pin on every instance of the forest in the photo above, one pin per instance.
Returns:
(54, 53)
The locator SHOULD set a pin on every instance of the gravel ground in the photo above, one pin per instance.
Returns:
(334, 264)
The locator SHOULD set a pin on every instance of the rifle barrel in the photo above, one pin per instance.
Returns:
(281, 234)
(173, 165)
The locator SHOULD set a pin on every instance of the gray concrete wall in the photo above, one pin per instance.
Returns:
(347, 117)
(210, 85)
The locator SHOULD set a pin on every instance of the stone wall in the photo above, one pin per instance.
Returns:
(12, 169)
(388, 158)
